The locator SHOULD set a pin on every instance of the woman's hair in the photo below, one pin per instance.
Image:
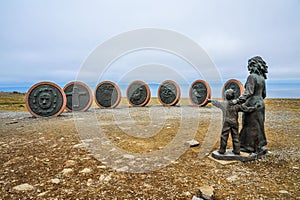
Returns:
(262, 67)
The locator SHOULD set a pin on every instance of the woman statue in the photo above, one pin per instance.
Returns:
(252, 136)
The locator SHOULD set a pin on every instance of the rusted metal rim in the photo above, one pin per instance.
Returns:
(198, 97)
(90, 95)
(173, 100)
(107, 98)
(234, 84)
(48, 89)
(141, 94)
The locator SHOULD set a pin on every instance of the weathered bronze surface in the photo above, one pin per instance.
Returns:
(169, 93)
(235, 85)
(230, 112)
(200, 93)
(252, 139)
(252, 135)
(107, 95)
(79, 96)
(45, 99)
(138, 93)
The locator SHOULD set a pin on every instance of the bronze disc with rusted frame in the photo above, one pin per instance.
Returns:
(45, 99)
(107, 95)
(79, 96)
(235, 85)
(138, 93)
(168, 93)
(200, 93)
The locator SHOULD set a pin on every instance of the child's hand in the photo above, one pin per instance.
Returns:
(234, 101)
(241, 99)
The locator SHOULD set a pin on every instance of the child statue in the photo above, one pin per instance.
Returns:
(230, 110)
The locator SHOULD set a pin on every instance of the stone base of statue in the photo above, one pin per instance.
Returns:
(243, 156)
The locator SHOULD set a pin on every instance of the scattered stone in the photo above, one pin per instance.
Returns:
(87, 140)
(42, 140)
(192, 143)
(122, 169)
(23, 187)
(206, 192)
(89, 182)
(283, 192)
(5, 145)
(101, 167)
(101, 178)
(55, 181)
(67, 171)
(232, 178)
(196, 198)
(86, 170)
(146, 185)
(167, 158)
(187, 194)
(119, 161)
(104, 178)
(80, 145)
(128, 156)
(42, 194)
(70, 163)
(174, 162)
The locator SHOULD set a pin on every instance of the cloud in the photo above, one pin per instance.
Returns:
(51, 39)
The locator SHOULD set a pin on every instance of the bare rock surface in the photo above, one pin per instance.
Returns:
(192, 143)
(207, 192)
(23, 187)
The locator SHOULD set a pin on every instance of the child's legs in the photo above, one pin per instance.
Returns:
(224, 138)
(235, 140)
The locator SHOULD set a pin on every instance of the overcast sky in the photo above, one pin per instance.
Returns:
(50, 40)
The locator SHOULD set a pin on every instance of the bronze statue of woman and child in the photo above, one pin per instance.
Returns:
(252, 137)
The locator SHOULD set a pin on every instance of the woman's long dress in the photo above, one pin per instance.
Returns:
(252, 136)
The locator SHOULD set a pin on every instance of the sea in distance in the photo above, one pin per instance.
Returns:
(275, 89)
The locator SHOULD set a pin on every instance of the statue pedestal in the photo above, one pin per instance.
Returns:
(242, 157)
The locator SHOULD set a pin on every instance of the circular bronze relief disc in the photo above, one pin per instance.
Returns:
(199, 93)
(45, 99)
(79, 96)
(168, 93)
(138, 93)
(107, 95)
(235, 85)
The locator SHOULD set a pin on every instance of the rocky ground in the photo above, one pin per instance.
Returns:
(76, 156)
